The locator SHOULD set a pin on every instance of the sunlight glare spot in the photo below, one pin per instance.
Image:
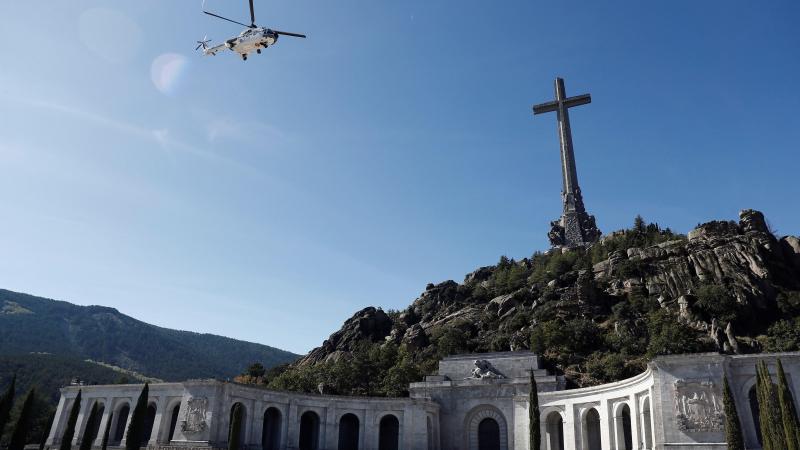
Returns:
(167, 71)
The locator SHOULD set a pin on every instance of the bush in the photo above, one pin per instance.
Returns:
(608, 367)
(668, 335)
(789, 302)
(783, 336)
(717, 303)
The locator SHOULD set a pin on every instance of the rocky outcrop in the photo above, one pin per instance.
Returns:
(495, 311)
(744, 257)
(370, 324)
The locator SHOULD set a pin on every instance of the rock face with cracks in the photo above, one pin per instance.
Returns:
(721, 281)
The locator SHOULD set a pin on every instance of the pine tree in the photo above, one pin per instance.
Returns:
(788, 413)
(733, 429)
(235, 431)
(69, 433)
(46, 430)
(534, 427)
(104, 445)
(136, 427)
(6, 402)
(89, 434)
(23, 425)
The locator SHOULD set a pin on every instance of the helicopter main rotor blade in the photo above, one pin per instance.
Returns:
(289, 34)
(252, 15)
(229, 20)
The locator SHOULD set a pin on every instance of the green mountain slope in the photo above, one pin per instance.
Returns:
(30, 324)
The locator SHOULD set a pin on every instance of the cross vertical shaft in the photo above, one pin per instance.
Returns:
(569, 175)
(575, 228)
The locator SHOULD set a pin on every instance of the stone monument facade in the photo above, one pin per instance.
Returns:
(575, 228)
(473, 402)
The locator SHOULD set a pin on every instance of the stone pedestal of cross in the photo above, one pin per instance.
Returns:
(575, 228)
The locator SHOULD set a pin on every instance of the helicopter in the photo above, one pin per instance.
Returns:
(253, 38)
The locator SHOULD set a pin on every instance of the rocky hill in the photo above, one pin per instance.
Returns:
(597, 315)
(31, 324)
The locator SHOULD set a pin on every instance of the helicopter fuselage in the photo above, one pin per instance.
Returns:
(248, 41)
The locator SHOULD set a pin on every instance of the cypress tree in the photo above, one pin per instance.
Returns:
(107, 432)
(136, 427)
(6, 402)
(46, 431)
(769, 411)
(234, 434)
(23, 425)
(788, 412)
(534, 429)
(89, 434)
(69, 433)
(733, 429)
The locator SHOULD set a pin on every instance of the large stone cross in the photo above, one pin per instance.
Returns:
(575, 228)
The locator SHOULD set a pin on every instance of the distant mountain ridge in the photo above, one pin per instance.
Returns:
(30, 324)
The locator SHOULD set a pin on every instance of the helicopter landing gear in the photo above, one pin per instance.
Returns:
(258, 50)
(244, 57)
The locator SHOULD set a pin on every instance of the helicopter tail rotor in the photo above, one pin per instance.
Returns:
(203, 44)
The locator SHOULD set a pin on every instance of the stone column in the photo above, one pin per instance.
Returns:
(571, 430)
(257, 423)
(370, 427)
(55, 429)
(161, 404)
(616, 424)
(103, 421)
(80, 425)
(606, 422)
(292, 438)
(635, 427)
(328, 422)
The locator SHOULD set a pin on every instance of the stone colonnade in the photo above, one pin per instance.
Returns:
(676, 404)
(614, 416)
(198, 415)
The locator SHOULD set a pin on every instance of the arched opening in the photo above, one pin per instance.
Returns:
(348, 432)
(149, 421)
(591, 427)
(647, 425)
(309, 430)
(173, 422)
(122, 420)
(236, 424)
(271, 429)
(389, 433)
(752, 396)
(488, 434)
(624, 434)
(93, 424)
(554, 426)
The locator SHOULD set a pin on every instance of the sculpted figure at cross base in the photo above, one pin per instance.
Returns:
(484, 369)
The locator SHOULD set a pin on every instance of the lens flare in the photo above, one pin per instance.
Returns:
(167, 71)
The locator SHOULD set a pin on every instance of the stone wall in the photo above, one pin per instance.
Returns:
(675, 404)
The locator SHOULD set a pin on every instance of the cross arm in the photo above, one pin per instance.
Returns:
(577, 100)
(545, 107)
(568, 103)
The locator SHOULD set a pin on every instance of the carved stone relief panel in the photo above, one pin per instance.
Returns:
(698, 406)
(195, 419)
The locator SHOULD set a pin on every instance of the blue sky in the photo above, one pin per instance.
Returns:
(268, 200)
